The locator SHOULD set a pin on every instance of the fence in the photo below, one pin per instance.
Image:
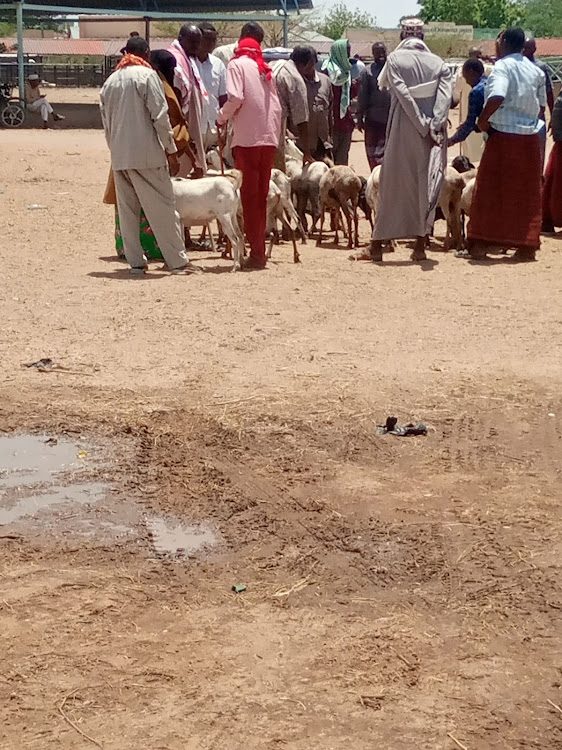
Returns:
(64, 75)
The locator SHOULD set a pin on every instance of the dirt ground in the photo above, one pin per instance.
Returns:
(401, 592)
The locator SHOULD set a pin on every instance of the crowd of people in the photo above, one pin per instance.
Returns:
(163, 112)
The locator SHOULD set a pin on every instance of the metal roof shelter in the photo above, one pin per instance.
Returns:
(161, 10)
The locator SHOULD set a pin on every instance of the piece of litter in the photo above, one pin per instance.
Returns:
(35, 207)
(551, 414)
(238, 588)
(391, 427)
(42, 364)
(82, 454)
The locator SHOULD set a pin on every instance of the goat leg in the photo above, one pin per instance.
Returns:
(349, 229)
(296, 256)
(270, 245)
(320, 235)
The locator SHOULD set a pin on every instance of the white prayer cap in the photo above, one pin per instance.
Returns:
(411, 27)
(33, 77)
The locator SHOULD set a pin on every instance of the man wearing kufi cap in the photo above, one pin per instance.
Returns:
(37, 102)
(415, 156)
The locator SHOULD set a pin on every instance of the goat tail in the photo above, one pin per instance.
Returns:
(334, 196)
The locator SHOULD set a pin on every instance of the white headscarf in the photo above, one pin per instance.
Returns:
(411, 42)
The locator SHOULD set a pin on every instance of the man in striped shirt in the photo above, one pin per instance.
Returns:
(506, 207)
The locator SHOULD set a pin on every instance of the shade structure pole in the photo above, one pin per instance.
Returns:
(21, 71)
(147, 29)
(285, 23)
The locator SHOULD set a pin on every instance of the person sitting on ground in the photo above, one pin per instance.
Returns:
(473, 73)
(506, 206)
(35, 101)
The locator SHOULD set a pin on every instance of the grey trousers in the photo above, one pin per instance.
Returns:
(151, 190)
(342, 144)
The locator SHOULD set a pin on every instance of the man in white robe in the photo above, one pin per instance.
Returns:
(415, 157)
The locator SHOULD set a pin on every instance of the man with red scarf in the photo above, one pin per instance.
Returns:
(255, 111)
(138, 131)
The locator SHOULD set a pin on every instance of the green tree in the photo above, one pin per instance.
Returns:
(544, 17)
(340, 17)
(490, 14)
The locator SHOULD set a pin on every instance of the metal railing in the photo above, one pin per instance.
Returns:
(86, 75)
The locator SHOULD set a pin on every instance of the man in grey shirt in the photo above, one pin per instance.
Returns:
(140, 138)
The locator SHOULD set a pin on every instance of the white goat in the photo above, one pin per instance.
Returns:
(280, 208)
(202, 201)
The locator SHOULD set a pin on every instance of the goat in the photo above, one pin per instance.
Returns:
(202, 201)
(280, 208)
(468, 172)
(363, 203)
(450, 205)
(340, 188)
(306, 189)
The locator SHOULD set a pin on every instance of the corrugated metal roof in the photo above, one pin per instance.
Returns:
(545, 47)
(113, 47)
(109, 48)
(46, 47)
(178, 6)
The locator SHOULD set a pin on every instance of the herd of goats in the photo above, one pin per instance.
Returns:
(312, 189)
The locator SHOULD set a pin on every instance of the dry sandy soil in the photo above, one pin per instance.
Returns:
(401, 592)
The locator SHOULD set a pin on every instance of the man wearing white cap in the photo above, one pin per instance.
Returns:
(415, 156)
(37, 102)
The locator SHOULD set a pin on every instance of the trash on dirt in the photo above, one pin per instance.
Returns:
(36, 207)
(238, 588)
(82, 454)
(391, 427)
(200, 247)
(41, 364)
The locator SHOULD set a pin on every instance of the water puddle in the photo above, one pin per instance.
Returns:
(45, 492)
(89, 492)
(35, 459)
(177, 539)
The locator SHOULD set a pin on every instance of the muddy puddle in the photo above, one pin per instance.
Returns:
(46, 493)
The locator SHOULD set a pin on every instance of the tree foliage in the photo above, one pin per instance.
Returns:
(339, 18)
(492, 14)
(544, 17)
